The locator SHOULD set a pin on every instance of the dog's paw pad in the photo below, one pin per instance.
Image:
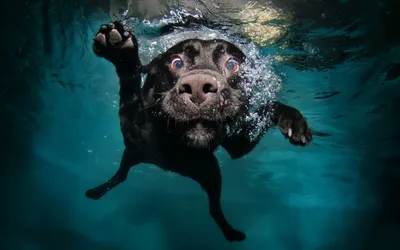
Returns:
(101, 38)
(115, 37)
(110, 39)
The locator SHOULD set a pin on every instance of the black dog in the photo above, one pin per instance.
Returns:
(192, 94)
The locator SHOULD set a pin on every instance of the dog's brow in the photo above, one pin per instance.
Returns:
(191, 50)
(219, 50)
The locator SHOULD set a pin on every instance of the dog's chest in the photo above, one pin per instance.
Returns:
(170, 158)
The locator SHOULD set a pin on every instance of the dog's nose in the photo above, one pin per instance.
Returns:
(198, 86)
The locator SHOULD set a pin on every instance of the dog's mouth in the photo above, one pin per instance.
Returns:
(202, 133)
(197, 133)
(199, 126)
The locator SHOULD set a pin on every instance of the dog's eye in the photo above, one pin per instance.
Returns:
(232, 65)
(177, 63)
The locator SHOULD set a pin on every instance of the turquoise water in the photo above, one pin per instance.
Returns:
(61, 136)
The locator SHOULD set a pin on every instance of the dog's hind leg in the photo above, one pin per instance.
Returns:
(208, 175)
(129, 159)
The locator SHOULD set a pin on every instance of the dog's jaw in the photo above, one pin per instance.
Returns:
(201, 127)
(200, 136)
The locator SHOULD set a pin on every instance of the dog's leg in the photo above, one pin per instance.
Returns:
(120, 47)
(207, 173)
(128, 160)
(290, 121)
(240, 143)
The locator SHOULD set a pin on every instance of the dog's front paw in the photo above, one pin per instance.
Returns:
(294, 126)
(234, 235)
(113, 42)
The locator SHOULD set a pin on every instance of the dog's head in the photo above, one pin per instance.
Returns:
(197, 85)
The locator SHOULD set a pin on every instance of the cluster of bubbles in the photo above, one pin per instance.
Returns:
(261, 81)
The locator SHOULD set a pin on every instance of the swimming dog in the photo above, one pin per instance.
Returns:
(192, 94)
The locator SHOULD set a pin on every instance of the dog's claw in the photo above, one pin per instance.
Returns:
(293, 125)
(101, 38)
(115, 37)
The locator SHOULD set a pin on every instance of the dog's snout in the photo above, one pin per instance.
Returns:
(198, 87)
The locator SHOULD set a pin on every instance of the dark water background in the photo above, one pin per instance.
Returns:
(60, 134)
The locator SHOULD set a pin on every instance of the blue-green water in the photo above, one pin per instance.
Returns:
(61, 135)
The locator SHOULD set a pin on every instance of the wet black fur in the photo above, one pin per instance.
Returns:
(153, 135)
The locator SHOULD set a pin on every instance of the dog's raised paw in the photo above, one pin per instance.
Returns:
(111, 39)
(293, 125)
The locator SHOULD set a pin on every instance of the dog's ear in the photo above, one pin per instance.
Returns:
(157, 76)
(151, 69)
(154, 67)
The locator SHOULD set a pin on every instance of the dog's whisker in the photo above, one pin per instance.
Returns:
(150, 106)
